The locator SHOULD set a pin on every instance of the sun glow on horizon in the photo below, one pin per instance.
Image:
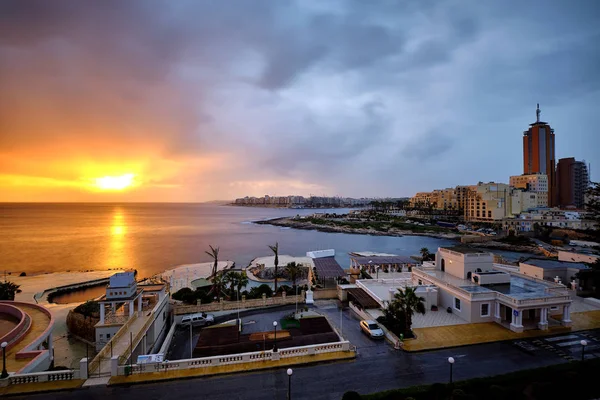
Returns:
(115, 182)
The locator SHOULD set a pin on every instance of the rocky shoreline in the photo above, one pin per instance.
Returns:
(307, 225)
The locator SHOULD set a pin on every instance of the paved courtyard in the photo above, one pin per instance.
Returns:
(430, 319)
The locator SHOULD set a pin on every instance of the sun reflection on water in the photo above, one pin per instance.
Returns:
(118, 251)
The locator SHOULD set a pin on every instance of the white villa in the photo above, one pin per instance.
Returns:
(466, 286)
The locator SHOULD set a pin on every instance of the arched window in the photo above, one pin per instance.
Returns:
(469, 275)
(443, 265)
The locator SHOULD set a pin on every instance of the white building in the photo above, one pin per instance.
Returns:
(126, 300)
(471, 287)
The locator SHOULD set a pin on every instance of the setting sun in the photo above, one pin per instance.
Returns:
(115, 182)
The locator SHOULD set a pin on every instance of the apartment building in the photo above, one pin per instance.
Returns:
(537, 183)
(487, 202)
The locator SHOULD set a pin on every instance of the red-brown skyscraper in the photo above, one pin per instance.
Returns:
(538, 153)
(572, 182)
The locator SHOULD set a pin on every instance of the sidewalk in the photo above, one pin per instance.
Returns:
(232, 368)
(40, 387)
(468, 334)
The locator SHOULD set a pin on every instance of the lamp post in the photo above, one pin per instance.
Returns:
(451, 361)
(191, 342)
(289, 373)
(583, 344)
(4, 373)
(275, 336)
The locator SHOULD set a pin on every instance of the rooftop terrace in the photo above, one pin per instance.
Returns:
(519, 288)
(554, 264)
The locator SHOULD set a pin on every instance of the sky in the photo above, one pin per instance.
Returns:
(186, 101)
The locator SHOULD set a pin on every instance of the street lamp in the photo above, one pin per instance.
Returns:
(451, 361)
(275, 336)
(583, 344)
(4, 373)
(290, 372)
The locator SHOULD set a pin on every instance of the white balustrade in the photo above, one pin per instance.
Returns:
(52, 376)
(236, 358)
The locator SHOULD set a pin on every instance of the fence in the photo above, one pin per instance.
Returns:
(237, 358)
(104, 353)
(35, 377)
(234, 305)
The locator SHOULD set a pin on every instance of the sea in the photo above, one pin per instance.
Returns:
(152, 237)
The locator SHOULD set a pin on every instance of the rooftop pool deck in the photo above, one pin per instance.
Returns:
(519, 288)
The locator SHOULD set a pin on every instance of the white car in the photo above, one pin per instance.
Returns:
(199, 319)
(371, 328)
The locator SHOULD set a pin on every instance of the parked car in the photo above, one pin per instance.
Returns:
(372, 329)
(199, 319)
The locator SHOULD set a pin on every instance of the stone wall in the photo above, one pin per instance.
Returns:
(82, 326)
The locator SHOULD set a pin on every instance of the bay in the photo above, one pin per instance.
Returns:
(47, 237)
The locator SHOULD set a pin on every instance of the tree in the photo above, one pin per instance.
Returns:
(275, 249)
(8, 290)
(218, 284)
(231, 278)
(592, 204)
(424, 252)
(214, 254)
(294, 271)
(407, 301)
(242, 281)
(590, 275)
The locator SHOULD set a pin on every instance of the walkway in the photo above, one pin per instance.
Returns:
(467, 334)
(122, 346)
(39, 323)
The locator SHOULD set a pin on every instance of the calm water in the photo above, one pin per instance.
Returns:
(81, 295)
(38, 238)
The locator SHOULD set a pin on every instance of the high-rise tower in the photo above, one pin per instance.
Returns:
(572, 182)
(538, 153)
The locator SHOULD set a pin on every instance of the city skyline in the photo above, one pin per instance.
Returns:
(155, 101)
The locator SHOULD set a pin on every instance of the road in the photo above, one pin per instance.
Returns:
(377, 367)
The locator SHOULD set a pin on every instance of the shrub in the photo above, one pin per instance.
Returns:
(88, 309)
(179, 295)
(351, 396)
(257, 292)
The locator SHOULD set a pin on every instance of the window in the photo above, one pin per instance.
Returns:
(420, 282)
(108, 335)
(485, 310)
(457, 303)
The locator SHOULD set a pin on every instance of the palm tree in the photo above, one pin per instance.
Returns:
(424, 252)
(218, 284)
(408, 302)
(8, 290)
(214, 254)
(231, 278)
(241, 282)
(294, 271)
(275, 249)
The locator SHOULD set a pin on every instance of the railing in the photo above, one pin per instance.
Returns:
(538, 300)
(35, 377)
(95, 363)
(238, 358)
(234, 305)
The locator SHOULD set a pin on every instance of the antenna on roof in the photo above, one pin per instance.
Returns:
(537, 113)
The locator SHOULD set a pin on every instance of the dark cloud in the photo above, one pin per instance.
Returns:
(324, 93)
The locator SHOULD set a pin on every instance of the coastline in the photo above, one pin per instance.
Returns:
(289, 222)
(305, 225)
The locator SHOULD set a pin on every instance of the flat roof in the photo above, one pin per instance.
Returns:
(554, 264)
(383, 260)
(328, 267)
(363, 298)
(465, 250)
(519, 288)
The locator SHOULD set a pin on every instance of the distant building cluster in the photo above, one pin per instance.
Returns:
(302, 202)
(547, 192)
